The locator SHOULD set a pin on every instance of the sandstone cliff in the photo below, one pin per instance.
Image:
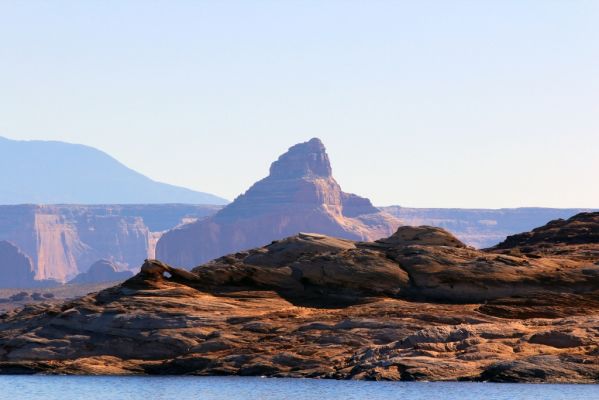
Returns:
(64, 240)
(299, 195)
(418, 305)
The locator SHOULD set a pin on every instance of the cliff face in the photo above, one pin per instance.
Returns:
(69, 239)
(418, 305)
(299, 195)
(64, 240)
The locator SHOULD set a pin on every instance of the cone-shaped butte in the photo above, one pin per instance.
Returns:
(299, 195)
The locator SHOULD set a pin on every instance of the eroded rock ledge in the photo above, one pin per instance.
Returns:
(418, 305)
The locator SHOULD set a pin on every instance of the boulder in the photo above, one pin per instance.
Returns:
(421, 235)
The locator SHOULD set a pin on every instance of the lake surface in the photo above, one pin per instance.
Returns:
(221, 388)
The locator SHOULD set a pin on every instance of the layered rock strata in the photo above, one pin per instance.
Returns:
(299, 195)
(419, 305)
(64, 240)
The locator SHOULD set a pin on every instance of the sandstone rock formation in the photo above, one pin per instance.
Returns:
(424, 263)
(576, 237)
(101, 271)
(299, 195)
(418, 305)
(16, 268)
(64, 240)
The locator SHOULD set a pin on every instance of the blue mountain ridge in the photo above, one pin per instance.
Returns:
(53, 172)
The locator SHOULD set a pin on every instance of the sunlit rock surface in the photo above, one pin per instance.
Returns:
(418, 305)
(299, 195)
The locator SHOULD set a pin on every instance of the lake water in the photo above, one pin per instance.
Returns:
(221, 388)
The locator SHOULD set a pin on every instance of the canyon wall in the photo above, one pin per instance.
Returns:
(64, 240)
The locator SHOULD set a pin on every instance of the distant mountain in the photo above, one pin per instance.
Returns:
(49, 172)
(481, 227)
(299, 195)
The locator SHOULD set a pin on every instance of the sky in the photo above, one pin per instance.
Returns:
(481, 103)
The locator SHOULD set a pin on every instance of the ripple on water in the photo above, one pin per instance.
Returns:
(221, 388)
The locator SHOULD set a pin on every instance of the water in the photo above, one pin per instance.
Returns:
(221, 388)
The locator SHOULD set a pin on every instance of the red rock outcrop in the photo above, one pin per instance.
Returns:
(418, 305)
(576, 237)
(299, 195)
(63, 240)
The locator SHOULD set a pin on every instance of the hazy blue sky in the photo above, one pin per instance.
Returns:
(420, 103)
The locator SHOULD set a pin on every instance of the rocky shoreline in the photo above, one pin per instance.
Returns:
(419, 305)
